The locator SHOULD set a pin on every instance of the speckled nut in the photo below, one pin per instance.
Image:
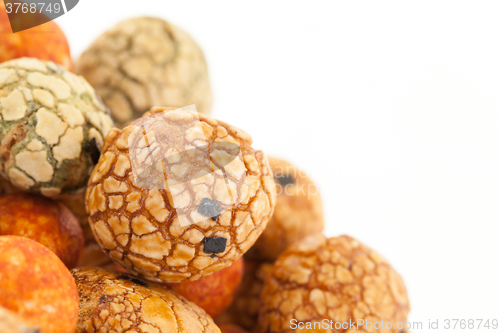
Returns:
(298, 212)
(337, 279)
(113, 302)
(12, 323)
(143, 62)
(48, 117)
(145, 195)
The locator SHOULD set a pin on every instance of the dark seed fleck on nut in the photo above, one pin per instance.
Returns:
(285, 180)
(210, 208)
(214, 244)
(93, 150)
(134, 280)
(101, 299)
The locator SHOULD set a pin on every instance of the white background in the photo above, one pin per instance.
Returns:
(393, 109)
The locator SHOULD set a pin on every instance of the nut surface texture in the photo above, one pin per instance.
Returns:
(45, 221)
(49, 118)
(12, 323)
(143, 62)
(114, 302)
(144, 196)
(338, 279)
(37, 286)
(298, 212)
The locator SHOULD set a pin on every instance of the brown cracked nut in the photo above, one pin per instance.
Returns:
(51, 122)
(142, 62)
(338, 279)
(244, 310)
(115, 302)
(298, 212)
(145, 195)
(12, 323)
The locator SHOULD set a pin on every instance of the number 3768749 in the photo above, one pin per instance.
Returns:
(40, 7)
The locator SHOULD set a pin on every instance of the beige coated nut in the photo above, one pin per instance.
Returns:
(52, 127)
(114, 302)
(143, 62)
(336, 279)
(169, 225)
(298, 212)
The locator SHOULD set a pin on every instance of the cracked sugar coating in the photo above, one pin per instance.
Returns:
(143, 62)
(111, 303)
(47, 117)
(338, 279)
(156, 231)
(298, 212)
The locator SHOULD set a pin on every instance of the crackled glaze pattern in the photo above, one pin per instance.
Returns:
(112, 302)
(298, 212)
(338, 279)
(47, 117)
(157, 232)
(143, 62)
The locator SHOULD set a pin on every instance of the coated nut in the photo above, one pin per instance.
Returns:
(114, 302)
(144, 195)
(47, 117)
(143, 62)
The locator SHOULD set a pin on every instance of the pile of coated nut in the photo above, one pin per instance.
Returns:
(125, 207)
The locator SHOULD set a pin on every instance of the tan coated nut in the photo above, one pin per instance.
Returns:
(52, 127)
(337, 279)
(114, 302)
(143, 62)
(177, 195)
(298, 212)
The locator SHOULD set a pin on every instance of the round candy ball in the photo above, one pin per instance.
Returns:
(146, 61)
(37, 286)
(52, 127)
(298, 212)
(177, 195)
(45, 221)
(46, 41)
(114, 302)
(338, 279)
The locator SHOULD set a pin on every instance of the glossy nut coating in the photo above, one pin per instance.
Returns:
(52, 126)
(113, 302)
(338, 279)
(142, 62)
(139, 227)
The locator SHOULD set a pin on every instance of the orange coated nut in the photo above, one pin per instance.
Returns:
(146, 61)
(338, 279)
(215, 292)
(45, 221)
(45, 42)
(114, 302)
(37, 286)
(298, 212)
(244, 310)
(190, 223)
